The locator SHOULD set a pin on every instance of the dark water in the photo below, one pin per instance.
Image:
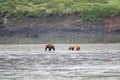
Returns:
(60, 65)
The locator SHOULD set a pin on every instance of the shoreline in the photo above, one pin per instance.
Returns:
(59, 47)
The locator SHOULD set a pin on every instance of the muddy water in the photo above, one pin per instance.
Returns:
(34, 64)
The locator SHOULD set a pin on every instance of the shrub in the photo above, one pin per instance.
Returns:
(87, 9)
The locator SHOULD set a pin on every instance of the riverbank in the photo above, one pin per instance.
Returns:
(71, 21)
(59, 47)
(59, 30)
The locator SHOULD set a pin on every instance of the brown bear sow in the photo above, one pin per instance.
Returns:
(49, 47)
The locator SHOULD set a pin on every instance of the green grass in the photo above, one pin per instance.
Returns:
(87, 9)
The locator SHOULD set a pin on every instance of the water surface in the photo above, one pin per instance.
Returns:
(34, 64)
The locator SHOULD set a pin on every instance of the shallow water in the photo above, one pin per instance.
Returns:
(60, 65)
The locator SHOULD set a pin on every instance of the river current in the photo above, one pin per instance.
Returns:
(59, 65)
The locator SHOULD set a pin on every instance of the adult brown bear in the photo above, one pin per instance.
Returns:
(71, 48)
(49, 47)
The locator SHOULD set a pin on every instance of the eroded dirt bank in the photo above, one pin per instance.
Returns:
(64, 29)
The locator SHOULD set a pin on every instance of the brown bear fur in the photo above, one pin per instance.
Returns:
(49, 47)
(71, 48)
(77, 48)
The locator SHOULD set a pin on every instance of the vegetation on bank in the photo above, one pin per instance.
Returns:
(85, 9)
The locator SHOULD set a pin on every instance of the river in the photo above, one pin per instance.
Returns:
(31, 62)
